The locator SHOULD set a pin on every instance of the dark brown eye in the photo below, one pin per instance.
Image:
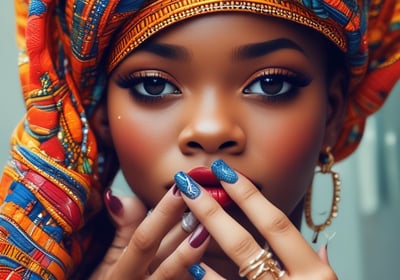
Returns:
(150, 87)
(154, 86)
(272, 85)
(269, 85)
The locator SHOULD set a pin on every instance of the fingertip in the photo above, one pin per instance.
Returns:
(197, 272)
(323, 254)
(224, 172)
(113, 203)
(124, 210)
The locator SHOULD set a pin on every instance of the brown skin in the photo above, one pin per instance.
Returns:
(215, 108)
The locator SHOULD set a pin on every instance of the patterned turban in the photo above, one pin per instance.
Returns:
(51, 188)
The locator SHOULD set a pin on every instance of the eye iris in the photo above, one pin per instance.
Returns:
(271, 85)
(154, 86)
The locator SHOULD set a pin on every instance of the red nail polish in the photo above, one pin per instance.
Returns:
(113, 203)
(176, 191)
(198, 236)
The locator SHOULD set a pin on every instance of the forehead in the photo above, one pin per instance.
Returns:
(232, 30)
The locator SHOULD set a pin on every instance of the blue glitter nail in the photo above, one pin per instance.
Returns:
(197, 272)
(187, 185)
(223, 172)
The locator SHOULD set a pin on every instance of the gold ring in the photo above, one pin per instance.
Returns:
(263, 263)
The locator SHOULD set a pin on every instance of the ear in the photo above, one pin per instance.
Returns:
(101, 127)
(337, 100)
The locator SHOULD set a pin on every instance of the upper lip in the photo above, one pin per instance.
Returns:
(204, 177)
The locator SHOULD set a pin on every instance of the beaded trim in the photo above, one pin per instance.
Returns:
(164, 13)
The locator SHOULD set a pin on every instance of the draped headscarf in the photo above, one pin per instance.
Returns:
(51, 187)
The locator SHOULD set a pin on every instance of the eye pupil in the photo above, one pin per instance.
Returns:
(271, 85)
(154, 86)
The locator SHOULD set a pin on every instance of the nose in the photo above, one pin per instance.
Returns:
(212, 128)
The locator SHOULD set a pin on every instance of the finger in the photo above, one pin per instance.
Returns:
(323, 254)
(238, 244)
(179, 263)
(127, 212)
(203, 272)
(280, 233)
(147, 237)
(170, 242)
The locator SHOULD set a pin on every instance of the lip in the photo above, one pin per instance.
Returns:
(207, 180)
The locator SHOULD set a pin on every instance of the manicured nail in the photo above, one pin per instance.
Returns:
(197, 272)
(323, 253)
(176, 191)
(189, 222)
(187, 185)
(113, 203)
(223, 172)
(198, 236)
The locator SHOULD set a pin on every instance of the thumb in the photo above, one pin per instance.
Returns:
(127, 212)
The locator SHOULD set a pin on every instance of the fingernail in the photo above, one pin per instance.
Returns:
(197, 272)
(187, 185)
(198, 236)
(176, 191)
(189, 222)
(223, 172)
(113, 203)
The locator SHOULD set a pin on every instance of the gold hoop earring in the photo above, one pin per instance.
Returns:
(327, 160)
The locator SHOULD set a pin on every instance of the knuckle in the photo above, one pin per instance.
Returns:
(247, 193)
(140, 240)
(211, 211)
(279, 224)
(244, 249)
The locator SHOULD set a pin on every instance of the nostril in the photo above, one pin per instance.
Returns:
(195, 145)
(227, 144)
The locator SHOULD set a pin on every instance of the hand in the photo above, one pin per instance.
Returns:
(150, 246)
(296, 256)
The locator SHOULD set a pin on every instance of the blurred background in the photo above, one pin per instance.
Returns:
(363, 239)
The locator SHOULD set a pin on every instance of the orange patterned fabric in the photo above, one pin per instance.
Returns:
(51, 188)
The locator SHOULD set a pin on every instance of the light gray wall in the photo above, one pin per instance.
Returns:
(364, 244)
(11, 108)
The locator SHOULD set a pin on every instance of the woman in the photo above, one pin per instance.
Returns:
(245, 108)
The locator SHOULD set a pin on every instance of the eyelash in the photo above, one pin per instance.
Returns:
(133, 81)
(286, 77)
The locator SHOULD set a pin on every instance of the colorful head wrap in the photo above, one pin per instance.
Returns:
(51, 187)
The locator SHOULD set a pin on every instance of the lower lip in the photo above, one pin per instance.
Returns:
(220, 196)
(208, 181)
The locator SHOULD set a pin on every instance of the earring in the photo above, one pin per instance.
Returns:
(327, 160)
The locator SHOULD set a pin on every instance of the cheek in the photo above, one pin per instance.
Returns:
(297, 140)
(132, 139)
(139, 140)
(289, 147)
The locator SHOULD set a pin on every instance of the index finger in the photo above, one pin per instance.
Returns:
(282, 236)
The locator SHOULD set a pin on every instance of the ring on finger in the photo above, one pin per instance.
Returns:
(263, 263)
(189, 222)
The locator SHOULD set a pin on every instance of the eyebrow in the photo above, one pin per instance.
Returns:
(166, 50)
(263, 48)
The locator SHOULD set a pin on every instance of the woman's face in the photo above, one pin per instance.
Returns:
(250, 90)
